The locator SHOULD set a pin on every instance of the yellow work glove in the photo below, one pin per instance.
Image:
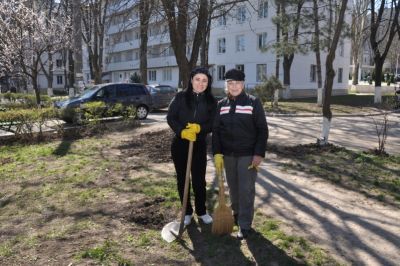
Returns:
(219, 163)
(195, 128)
(189, 135)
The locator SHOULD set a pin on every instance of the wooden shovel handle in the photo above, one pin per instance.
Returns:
(186, 190)
(221, 194)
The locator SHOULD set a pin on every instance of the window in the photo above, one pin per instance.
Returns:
(261, 72)
(262, 9)
(106, 92)
(59, 80)
(221, 45)
(340, 75)
(129, 55)
(313, 73)
(239, 43)
(240, 67)
(241, 14)
(152, 75)
(341, 48)
(262, 40)
(59, 63)
(221, 72)
(128, 36)
(117, 58)
(167, 74)
(124, 90)
(222, 20)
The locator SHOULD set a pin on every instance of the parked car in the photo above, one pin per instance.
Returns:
(161, 95)
(128, 94)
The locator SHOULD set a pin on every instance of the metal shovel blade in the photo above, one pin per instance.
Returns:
(170, 231)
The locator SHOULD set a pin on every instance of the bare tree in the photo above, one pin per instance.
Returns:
(51, 9)
(189, 26)
(145, 7)
(317, 50)
(384, 24)
(290, 25)
(358, 35)
(216, 10)
(330, 73)
(28, 33)
(94, 18)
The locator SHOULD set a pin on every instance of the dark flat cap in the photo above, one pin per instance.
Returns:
(234, 74)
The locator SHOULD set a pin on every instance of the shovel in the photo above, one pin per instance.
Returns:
(174, 229)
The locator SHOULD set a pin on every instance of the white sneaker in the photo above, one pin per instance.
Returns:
(188, 220)
(207, 219)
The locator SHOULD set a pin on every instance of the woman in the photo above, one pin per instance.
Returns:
(190, 116)
(239, 138)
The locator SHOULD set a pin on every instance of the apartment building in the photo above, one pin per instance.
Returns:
(237, 40)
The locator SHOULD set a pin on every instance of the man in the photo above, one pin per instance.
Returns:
(239, 137)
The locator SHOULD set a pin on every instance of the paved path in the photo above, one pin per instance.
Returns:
(352, 132)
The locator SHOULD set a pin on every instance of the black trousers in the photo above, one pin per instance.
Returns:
(179, 151)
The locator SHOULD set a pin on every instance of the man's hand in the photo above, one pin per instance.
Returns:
(188, 135)
(219, 163)
(255, 163)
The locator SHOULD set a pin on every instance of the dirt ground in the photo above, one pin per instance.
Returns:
(355, 229)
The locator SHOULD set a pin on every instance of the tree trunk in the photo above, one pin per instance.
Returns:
(378, 79)
(287, 64)
(205, 42)
(36, 87)
(381, 37)
(278, 36)
(330, 75)
(71, 71)
(50, 75)
(178, 18)
(145, 12)
(317, 51)
(355, 72)
(77, 42)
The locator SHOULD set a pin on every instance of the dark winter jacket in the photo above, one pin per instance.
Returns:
(240, 127)
(200, 112)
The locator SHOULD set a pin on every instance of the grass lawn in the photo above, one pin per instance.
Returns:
(104, 200)
(341, 104)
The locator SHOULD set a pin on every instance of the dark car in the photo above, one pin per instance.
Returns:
(161, 95)
(128, 94)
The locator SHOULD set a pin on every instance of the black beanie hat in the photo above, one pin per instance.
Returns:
(234, 74)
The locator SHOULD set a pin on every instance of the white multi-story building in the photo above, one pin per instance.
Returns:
(236, 40)
(59, 74)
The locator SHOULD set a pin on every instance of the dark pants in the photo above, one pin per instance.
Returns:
(242, 188)
(179, 151)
